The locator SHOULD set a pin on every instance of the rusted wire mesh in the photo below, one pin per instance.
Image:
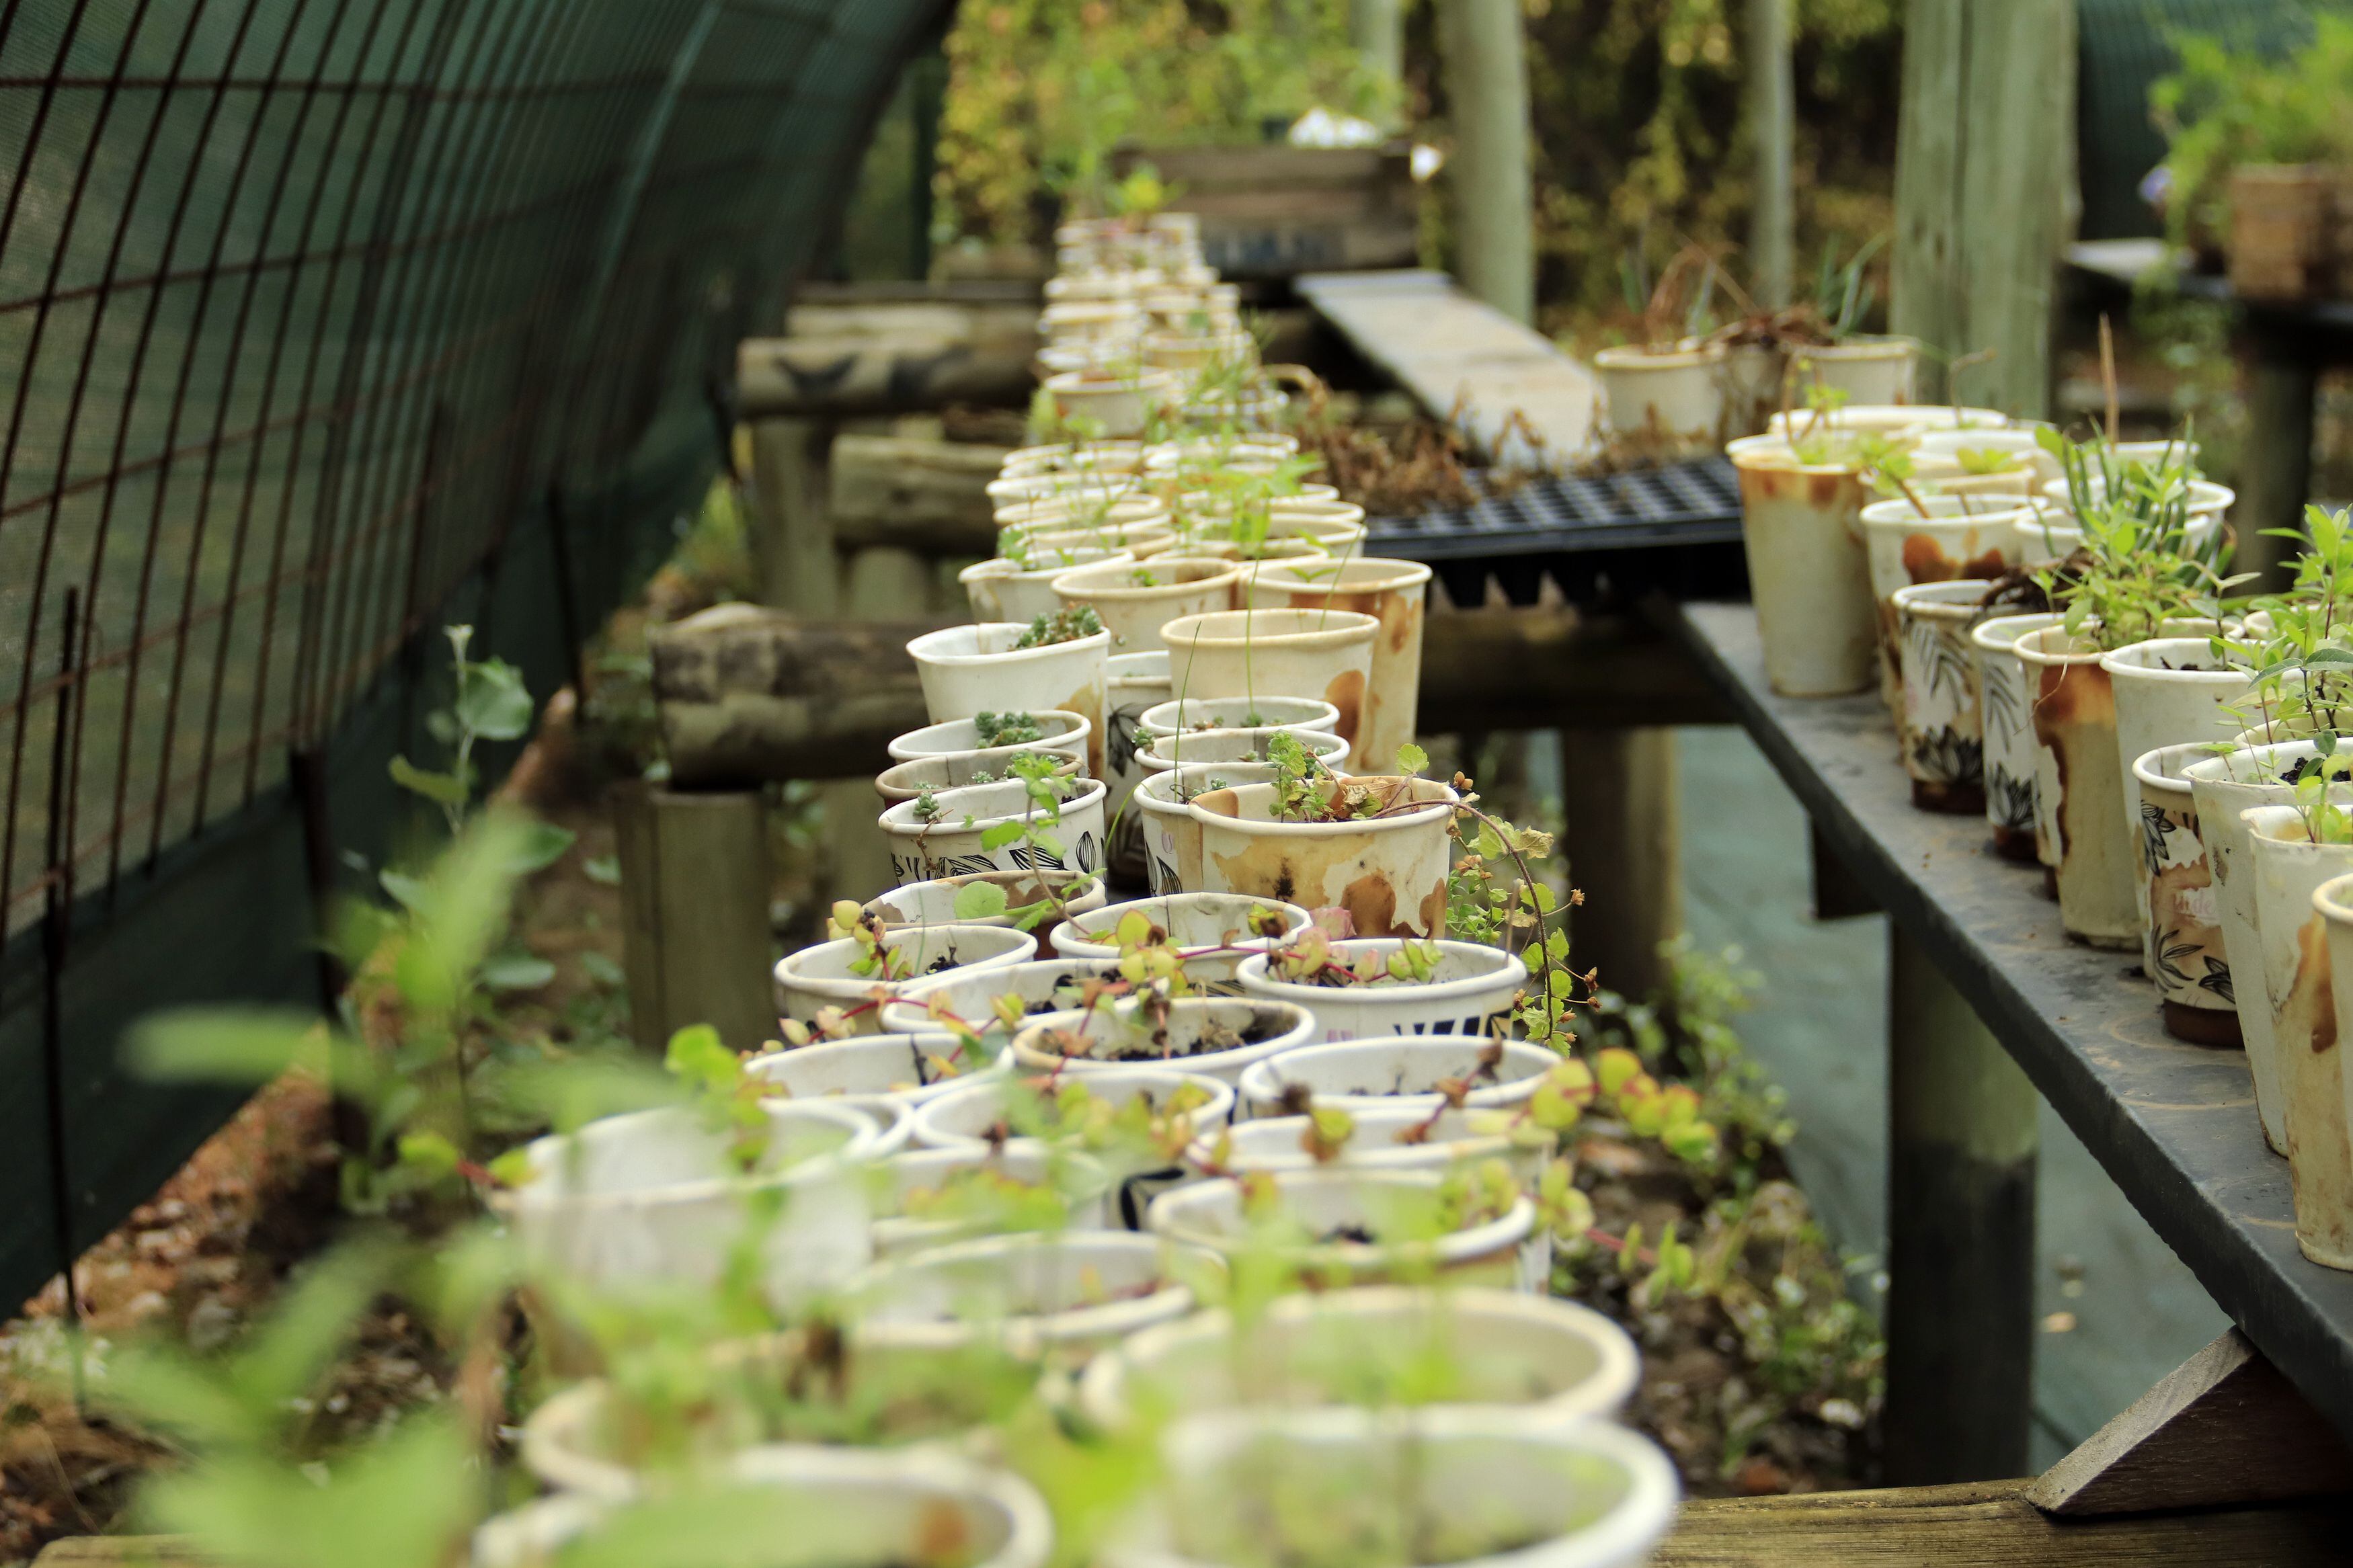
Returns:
(303, 303)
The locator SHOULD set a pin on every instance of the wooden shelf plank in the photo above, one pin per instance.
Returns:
(2174, 1125)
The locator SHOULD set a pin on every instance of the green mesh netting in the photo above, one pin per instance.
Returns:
(2124, 49)
(319, 321)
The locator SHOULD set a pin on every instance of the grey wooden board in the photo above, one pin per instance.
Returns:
(1448, 349)
(2173, 1125)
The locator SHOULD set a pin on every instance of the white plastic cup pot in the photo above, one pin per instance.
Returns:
(854, 1508)
(1212, 930)
(905, 1070)
(1202, 748)
(1105, 457)
(932, 903)
(1398, 1070)
(1060, 1295)
(1005, 589)
(1216, 1036)
(2289, 869)
(654, 1198)
(2209, 504)
(953, 841)
(2223, 789)
(1562, 1495)
(1184, 715)
(1961, 537)
(2168, 691)
(972, 996)
(1939, 474)
(975, 669)
(2079, 788)
(1136, 682)
(965, 1116)
(820, 976)
(2023, 447)
(1554, 1364)
(1058, 730)
(1807, 571)
(1402, 1134)
(1394, 1207)
(2007, 706)
(1135, 598)
(1087, 503)
(1663, 403)
(961, 770)
(2181, 940)
(1871, 371)
(1394, 593)
(1172, 838)
(1943, 728)
(1079, 1180)
(1120, 402)
(1388, 871)
(1324, 656)
(1910, 420)
(1471, 990)
(2334, 902)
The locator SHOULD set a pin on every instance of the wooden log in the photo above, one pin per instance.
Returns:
(1984, 1525)
(1962, 1139)
(791, 538)
(923, 495)
(694, 906)
(1487, 84)
(1275, 211)
(883, 358)
(2224, 1427)
(749, 695)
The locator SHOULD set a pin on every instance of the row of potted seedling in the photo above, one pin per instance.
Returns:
(1028, 1231)
(2070, 660)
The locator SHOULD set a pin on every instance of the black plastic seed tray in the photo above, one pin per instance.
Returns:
(1673, 530)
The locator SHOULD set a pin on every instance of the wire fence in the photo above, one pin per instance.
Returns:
(307, 308)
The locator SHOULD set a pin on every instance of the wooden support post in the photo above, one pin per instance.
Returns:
(1487, 86)
(1621, 832)
(1376, 27)
(694, 901)
(2276, 470)
(1772, 93)
(1960, 1235)
(2224, 1427)
(931, 496)
(792, 524)
(1986, 125)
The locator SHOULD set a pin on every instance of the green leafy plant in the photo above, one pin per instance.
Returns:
(992, 729)
(2224, 107)
(1070, 624)
(2138, 566)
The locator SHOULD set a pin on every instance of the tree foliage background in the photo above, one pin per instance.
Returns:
(1642, 140)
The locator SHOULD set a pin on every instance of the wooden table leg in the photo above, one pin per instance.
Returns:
(1960, 1229)
(2276, 470)
(1617, 805)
